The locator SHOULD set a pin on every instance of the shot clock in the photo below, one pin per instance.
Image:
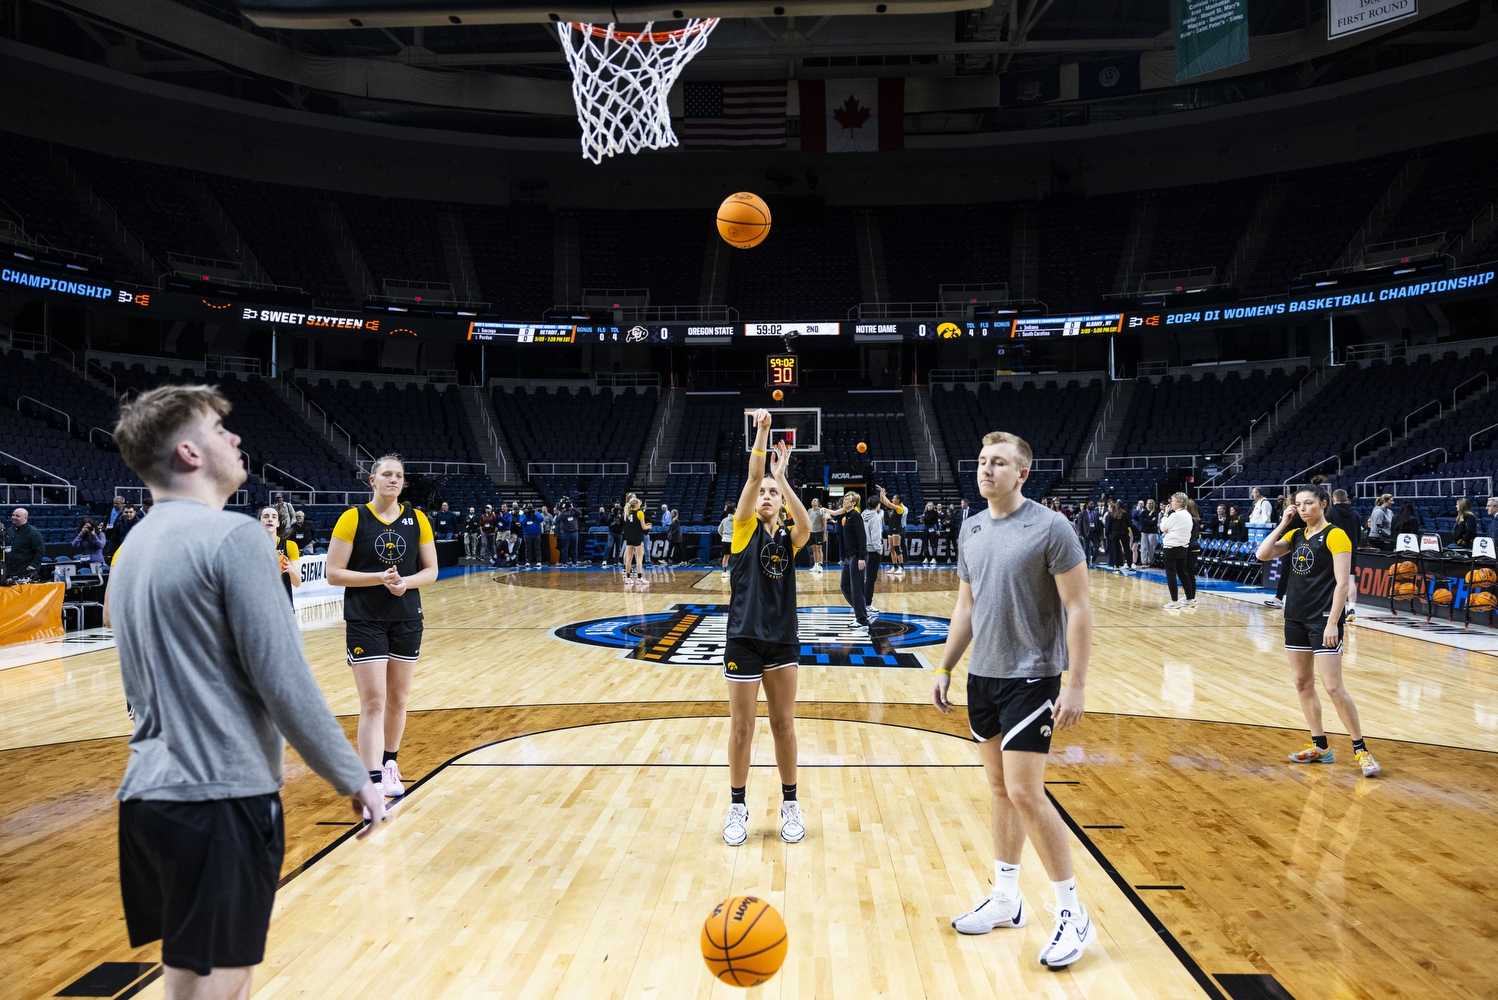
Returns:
(783, 371)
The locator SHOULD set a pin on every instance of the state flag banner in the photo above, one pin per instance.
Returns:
(1108, 78)
(1030, 87)
(742, 114)
(856, 116)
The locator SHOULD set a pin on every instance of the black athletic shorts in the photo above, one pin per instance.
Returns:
(1309, 636)
(817, 538)
(748, 659)
(201, 878)
(370, 640)
(1019, 708)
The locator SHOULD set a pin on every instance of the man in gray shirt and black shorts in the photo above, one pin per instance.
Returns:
(213, 666)
(1022, 604)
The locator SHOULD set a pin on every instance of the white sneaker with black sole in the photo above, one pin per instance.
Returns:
(792, 826)
(736, 824)
(1069, 938)
(989, 912)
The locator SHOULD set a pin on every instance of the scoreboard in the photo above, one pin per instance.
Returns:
(1067, 326)
(783, 371)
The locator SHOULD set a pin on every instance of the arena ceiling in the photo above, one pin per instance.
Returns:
(507, 78)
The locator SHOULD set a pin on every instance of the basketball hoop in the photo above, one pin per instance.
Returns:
(621, 80)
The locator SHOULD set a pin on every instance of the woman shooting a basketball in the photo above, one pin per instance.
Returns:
(287, 552)
(381, 552)
(762, 645)
(636, 528)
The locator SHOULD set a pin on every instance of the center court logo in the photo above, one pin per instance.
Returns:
(697, 635)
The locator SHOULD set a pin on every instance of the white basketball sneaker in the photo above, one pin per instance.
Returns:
(736, 824)
(989, 912)
(1069, 938)
(792, 827)
(390, 780)
(379, 787)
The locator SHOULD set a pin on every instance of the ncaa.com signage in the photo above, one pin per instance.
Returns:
(315, 588)
(1348, 17)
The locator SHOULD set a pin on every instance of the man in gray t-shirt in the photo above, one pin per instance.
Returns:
(1022, 605)
(213, 665)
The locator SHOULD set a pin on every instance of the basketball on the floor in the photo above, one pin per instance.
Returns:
(744, 220)
(744, 941)
(862, 447)
(778, 395)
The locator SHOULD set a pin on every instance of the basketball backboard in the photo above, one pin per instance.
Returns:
(800, 427)
(410, 13)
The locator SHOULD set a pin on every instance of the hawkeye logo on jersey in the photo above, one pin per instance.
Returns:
(390, 547)
(697, 635)
(1303, 559)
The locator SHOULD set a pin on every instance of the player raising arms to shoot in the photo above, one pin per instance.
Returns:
(762, 644)
(1022, 604)
(382, 551)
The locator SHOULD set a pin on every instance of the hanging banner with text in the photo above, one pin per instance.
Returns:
(1210, 35)
(1348, 17)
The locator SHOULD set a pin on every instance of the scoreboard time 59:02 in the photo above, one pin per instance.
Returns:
(782, 371)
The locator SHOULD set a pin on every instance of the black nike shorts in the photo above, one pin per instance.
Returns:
(1020, 709)
(1309, 636)
(817, 538)
(748, 659)
(370, 640)
(201, 878)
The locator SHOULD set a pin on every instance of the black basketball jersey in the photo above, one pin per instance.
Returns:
(377, 546)
(1313, 578)
(894, 519)
(762, 575)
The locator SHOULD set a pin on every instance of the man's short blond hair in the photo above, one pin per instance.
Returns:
(1021, 446)
(149, 424)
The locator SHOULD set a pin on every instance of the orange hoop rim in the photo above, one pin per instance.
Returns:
(656, 37)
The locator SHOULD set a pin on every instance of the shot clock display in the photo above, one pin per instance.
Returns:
(783, 371)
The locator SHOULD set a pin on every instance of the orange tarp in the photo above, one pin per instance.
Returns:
(30, 611)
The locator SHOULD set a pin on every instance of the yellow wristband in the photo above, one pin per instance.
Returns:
(947, 672)
(756, 451)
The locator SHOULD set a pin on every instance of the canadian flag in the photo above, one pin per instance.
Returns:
(852, 116)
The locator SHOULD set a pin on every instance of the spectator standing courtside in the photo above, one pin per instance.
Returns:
(88, 544)
(116, 509)
(1406, 522)
(673, 539)
(873, 532)
(818, 524)
(1381, 522)
(529, 526)
(116, 534)
(725, 534)
(855, 547)
(446, 523)
(548, 534)
(1492, 509)
(568, 526)
(1149, 530)
(488, 533)
(1263, 512)
(470, 533)
(302, 533)
(286, 515)
(27, 547)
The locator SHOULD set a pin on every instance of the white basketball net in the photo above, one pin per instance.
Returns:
(621, 81)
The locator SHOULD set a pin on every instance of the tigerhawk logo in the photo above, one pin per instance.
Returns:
(1045, 730)
(358, 650)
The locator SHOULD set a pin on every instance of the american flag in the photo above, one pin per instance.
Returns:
(744, 114)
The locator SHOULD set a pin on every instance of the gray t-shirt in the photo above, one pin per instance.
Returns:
(213, 663)
(1019, 622)
(815, 519)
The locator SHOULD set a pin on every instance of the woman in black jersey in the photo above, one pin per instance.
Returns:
(635, 529)
(1319, 558)
(287, 551)
(381, 552)
(762, 645)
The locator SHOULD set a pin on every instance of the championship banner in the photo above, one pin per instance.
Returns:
(1210, 35)
(315, 588)
(1348, 17)
(30, 611)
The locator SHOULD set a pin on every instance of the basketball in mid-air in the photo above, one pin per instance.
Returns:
(778, 395)
(744, 220)
(743, 941)
(862, 447)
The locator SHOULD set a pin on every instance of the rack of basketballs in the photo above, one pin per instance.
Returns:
(1446, 582)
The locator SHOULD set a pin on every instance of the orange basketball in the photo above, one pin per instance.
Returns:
(1442, 596)
(1483, 599)
(744, 220)
(1481, 576)
(743, 941)
(778, 395)
(1405, 569)
(285, 562)
(862, 447)
(1406, 589)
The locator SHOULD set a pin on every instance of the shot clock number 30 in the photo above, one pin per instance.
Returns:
(783, 371)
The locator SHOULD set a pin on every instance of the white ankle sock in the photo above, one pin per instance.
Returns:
(1005, 880)
(1066, 896)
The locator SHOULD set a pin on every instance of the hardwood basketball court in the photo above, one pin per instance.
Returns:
(561, 832)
